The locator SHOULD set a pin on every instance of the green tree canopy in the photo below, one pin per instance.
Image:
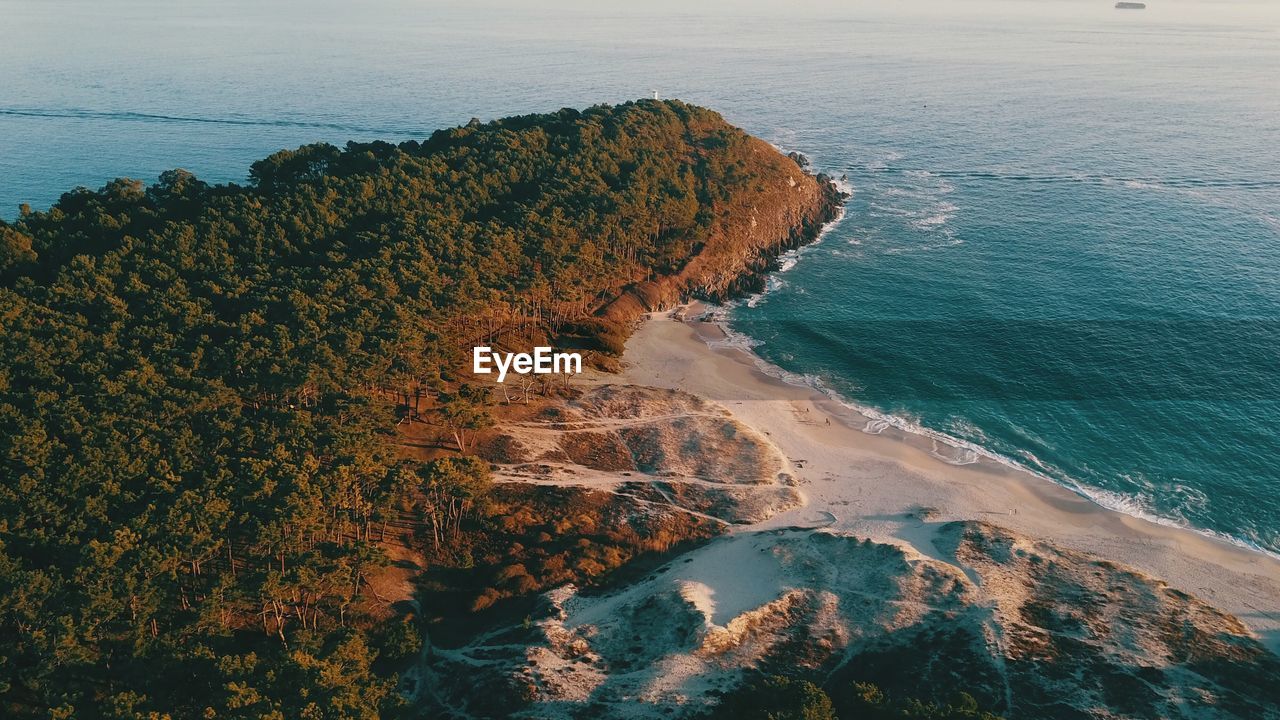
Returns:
(198, 383)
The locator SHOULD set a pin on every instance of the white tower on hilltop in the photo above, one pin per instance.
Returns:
(655, 94)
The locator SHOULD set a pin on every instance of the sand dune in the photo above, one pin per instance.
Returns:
(857, 556)
(873, 484)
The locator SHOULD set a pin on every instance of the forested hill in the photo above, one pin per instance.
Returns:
(195, 383)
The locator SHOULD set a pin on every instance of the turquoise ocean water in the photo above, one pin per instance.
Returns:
(1062, 249)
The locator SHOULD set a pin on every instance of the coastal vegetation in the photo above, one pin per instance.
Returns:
(777, 697)
(200, 390)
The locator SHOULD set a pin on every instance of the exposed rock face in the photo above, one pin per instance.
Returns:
(787, 211)
(1032, 630)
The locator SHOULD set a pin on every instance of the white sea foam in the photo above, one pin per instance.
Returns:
(1140, 185)
(771, 284)
(952, 455)
(1153, 185)
(843, 186)
(957, 451)
(883, 210)
(719, 314)
(841, 183)
(961, 427)
(939, 218)
(1035, 462)
(875, 427)
(935, 183)
(1191, 497)
(946, 447)
(920, 202)
(1137, 506)
(880, 164)
(786, 261)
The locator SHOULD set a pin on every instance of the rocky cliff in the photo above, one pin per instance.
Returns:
(788, 208)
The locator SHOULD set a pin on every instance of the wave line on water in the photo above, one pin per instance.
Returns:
(1147, 183)
(131, 116)
(877, 421)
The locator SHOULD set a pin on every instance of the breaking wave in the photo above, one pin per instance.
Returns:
(957, 451)
(946, 446)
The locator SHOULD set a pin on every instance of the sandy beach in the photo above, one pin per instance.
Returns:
(876, 485)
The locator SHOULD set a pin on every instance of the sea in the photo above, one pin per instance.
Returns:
(1062, 248)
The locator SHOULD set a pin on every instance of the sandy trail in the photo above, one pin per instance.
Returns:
(803, 586)
(876, 485)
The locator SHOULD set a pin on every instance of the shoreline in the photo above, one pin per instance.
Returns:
(907, 431)
(892, 486)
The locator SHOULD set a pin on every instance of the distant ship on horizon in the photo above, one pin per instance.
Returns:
(1131, 6)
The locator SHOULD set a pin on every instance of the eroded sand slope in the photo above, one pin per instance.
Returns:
(1031, 629)
(849, 557)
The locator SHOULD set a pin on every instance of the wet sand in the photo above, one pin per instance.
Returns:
(896, 486)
